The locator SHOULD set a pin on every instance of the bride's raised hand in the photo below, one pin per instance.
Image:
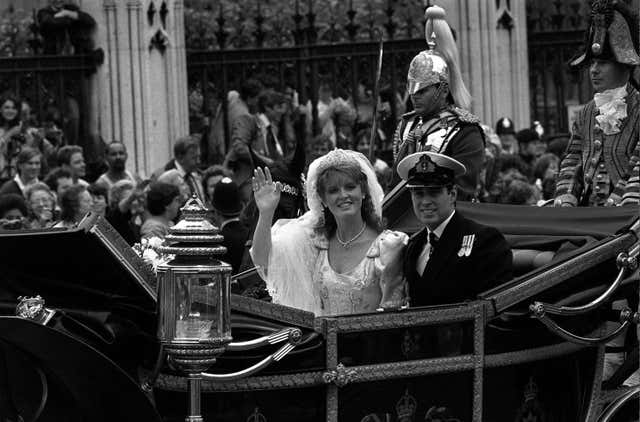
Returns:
(266, 192)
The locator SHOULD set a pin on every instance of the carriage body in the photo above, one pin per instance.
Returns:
(481, 360)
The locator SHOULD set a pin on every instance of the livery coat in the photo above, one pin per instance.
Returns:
(602, 169)
(450, 278)
(454, 132)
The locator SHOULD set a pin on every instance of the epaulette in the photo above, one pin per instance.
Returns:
(465, 115)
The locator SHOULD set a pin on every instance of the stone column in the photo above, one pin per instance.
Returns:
(492, 40)
(140, 92)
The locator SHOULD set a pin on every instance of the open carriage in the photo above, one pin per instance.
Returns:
(531, 349)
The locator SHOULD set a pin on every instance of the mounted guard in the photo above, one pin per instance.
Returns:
(440, 121)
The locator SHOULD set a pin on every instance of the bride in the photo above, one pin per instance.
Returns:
(335, 259)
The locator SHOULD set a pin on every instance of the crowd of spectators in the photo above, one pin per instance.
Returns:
(46, 183)
(520, 167)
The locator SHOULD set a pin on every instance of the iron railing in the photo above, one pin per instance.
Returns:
(52, 84)
(555, 32)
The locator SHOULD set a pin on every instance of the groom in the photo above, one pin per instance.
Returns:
(452, 259)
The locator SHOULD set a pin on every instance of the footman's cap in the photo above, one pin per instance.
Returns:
(425, 169)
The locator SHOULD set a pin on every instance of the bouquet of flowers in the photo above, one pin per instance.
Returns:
(146, 249)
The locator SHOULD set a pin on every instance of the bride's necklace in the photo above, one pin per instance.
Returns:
(346, 244)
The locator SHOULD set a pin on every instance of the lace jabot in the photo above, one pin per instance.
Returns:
(612, 107)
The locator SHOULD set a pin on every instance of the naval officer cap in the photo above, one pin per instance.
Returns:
(429, 169)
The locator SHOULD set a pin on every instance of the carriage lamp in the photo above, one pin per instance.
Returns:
(194, 312)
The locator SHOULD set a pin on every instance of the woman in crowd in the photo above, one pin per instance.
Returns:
(163, 203)
(75, 203)
(99, 196)
(335, 259)
(28, 164)
(41, 202)
(10, 126)
(211, 177)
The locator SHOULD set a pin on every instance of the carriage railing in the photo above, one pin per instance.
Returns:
(627, 263)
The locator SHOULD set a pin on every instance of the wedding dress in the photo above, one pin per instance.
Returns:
(299, 273)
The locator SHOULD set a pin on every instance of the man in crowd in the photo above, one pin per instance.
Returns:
(439, 122)
(227, 206)
(116, 158)
(507, 133)
(452, 259)
(530, 145)
(186, 153)
(61, 21)
(603, 157)
(260, 133)
(245, 102)
(71, 158)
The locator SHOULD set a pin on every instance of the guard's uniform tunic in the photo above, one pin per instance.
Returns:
(454, 132)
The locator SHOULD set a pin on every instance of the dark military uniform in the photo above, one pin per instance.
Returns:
(452, 276)
(454, 132)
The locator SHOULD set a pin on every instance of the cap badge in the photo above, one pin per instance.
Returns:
(425, 165)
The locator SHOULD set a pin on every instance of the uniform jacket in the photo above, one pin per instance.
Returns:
(602, 169)
(451, 278)
(454, 132)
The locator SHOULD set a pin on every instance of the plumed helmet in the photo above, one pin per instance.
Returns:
(442, 44)
(612, 34)
(426, 69)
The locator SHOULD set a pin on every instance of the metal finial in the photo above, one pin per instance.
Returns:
(431, 42)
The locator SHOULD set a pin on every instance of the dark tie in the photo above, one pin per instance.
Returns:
(433, 241)
(190, 182)
(272, 148)
(424, 256)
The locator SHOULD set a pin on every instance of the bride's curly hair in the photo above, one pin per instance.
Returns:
(327, 225)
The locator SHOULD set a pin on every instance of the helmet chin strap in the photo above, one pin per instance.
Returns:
(438, 104)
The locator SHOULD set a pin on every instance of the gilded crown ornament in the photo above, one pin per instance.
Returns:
(256, 416)
(406, 407)
(530, 390)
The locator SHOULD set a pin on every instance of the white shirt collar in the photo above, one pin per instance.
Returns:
(438, 231)
(21, 184)
(180, 169)
(264, 120)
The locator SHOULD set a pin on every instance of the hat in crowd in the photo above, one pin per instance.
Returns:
(537, 126)
(527, 135)
(504, 126)
(612, 34)
(226, 197)
(426, 169)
